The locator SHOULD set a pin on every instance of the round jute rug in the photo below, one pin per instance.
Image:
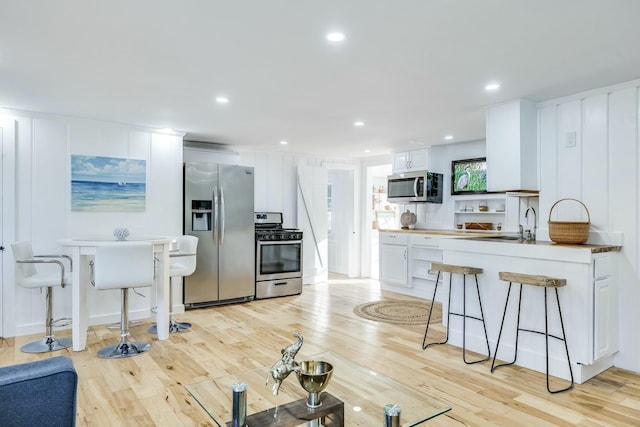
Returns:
(400, 312)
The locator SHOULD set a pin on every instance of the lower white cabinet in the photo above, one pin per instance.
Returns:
(605, 307)
(405, 261)
(393, 258)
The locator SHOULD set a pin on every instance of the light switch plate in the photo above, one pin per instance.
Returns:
(570, 139)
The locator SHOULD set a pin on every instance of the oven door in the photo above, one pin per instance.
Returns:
(278, 260)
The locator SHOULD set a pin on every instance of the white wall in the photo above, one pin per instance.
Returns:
(276, 190)
(440, 216)
(44, 146)
(602, 172)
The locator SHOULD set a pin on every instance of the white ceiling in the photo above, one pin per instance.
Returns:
(412, 70)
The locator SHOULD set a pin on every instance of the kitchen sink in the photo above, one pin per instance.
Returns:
(513, 238)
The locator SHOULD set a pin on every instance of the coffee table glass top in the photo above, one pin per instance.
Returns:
(363, 392)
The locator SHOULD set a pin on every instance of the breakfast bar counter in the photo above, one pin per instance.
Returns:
(589, 301)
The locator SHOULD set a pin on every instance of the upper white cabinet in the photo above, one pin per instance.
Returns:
(511, 146)
(412, 160)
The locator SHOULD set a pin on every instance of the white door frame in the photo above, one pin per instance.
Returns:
(7, 222)
(354, 220)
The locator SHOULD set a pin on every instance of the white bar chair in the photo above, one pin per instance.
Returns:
(27, 276)
(123, 266)
(183, 263)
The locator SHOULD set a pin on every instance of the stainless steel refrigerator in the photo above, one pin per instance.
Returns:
(218, 209)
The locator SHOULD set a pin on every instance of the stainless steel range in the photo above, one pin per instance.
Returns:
(278, 257)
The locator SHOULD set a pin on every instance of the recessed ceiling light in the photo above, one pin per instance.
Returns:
(335, 37)
(358, 123)
(448, 137)
(283, 142)
(222, 100)
(367, 151)
(492, 86)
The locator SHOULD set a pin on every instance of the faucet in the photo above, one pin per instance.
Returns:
(526, 214)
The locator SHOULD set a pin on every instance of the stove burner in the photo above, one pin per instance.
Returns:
(268, 226)
(278, 234)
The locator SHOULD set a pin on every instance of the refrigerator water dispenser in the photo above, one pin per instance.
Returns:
(201, 215)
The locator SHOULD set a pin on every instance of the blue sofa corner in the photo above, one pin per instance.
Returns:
(40, 393)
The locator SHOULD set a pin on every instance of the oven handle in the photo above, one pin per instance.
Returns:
(278, 242)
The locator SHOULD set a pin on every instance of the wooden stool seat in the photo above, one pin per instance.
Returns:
(531, 279)
(463, 270)
(456, 269)
(543, 282)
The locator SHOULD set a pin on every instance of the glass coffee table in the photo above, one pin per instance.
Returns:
(355, 396)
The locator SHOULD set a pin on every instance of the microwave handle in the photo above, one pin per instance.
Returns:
(415, 187)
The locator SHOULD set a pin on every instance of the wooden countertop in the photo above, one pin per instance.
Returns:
(479, 236)
(445, 232)
(593, 248)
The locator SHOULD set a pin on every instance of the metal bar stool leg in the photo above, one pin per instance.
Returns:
(464, 333)
(515, 355)
(433, 299)
(49, 342)
(124, 348)
(174, 325)
(564, 338)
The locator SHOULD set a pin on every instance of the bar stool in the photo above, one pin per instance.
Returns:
(123, 266)
(457, 269)
(29, 277)
(545, 282)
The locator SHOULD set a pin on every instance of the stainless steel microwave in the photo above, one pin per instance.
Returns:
(415, 187)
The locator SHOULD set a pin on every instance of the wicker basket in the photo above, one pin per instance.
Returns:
(573, 232)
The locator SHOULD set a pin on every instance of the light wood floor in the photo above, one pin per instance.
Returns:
(149, 389)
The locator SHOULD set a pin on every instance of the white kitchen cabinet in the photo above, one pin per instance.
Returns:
(605, 304)
(410, 275)
(511, 130)
(412, 160)
(393, 258)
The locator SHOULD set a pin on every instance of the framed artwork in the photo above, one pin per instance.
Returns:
(107, 184)
(469, 176)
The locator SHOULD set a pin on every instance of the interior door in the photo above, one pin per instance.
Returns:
(312, 220)
(7, 221)
(342, 245)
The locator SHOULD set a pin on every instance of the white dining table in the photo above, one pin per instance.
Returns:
(82, 248)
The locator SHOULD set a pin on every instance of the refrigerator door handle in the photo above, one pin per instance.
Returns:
(222, 215)
(215, 216)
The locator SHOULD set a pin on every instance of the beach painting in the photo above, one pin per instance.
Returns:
(107, 184)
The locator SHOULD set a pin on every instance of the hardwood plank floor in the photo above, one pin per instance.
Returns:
(149, 389)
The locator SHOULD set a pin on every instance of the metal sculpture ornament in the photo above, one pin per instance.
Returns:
(286, 364)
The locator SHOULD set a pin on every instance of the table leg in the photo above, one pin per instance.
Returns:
(162, 290)
(79, 310)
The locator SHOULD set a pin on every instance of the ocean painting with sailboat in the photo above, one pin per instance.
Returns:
(107, 184)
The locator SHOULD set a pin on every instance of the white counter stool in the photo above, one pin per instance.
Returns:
(545, 282)
(183, 263)
(464, 270)
(27, 276)
(123, 266)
